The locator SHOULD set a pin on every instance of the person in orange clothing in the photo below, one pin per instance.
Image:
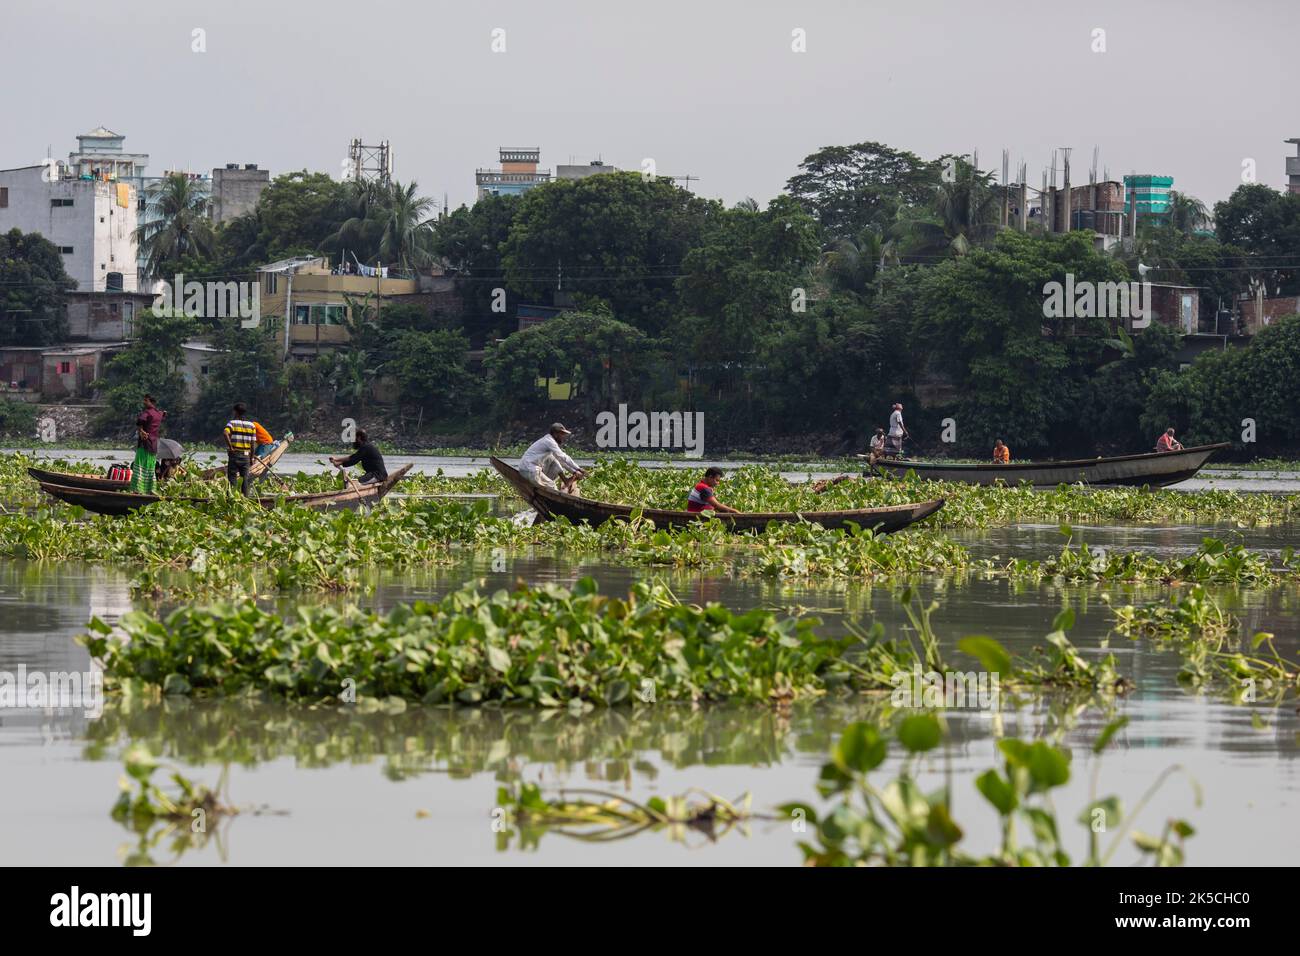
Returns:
(1001, 453)
(265, 443)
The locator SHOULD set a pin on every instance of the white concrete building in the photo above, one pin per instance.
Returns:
(91, 221)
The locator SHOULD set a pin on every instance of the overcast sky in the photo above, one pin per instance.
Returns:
(1188, 88)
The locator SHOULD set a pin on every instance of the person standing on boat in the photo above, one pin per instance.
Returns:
(367, 455)
(1001, 453)
(897, 431)
(1167, 442)
(546, 465)
(241, 436)
(147, 427)
(703, 497)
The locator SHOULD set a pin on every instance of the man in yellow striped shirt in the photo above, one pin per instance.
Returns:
(241, 436)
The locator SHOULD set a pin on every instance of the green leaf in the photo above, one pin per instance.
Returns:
(920, 732)
(992, 656)
(859, 749)
(498, 658)
(1107, 733)
(997, 791)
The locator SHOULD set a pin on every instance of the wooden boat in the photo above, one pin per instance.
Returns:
(1153, 468)
(550, 503)
(124, 502)
(100, 483)
(70, 480)
(259, 466)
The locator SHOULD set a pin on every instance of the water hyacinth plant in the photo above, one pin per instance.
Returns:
(897, 824)
(545, 646)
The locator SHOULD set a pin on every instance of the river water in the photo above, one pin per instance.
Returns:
(420, 786)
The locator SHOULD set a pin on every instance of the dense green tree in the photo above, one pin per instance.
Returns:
(469, 241)
(605, 360)
(153, 363)
(1020, 372)
(431, 373)
(247, 368)
(863, 187)
(618, 238)
(32, 286)
(297, 212)
(1265, 225)
(963, 210)
(1210, 400)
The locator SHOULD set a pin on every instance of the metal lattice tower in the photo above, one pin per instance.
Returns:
(371, 163)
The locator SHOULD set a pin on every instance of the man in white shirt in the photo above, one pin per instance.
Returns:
(897, 431)
(545, 462)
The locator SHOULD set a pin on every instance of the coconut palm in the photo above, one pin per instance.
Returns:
(177, 222)
(1186, 214)
(407, 227)
(963, 212)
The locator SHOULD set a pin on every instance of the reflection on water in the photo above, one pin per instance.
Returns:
(419, 786)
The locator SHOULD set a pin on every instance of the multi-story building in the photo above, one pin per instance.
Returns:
(1147, 194)
(235, 191)
(312, 301)
(1293, 167)
(517, 175)
(593, 168)
(91, 221)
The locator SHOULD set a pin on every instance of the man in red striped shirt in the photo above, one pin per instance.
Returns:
(703, 498)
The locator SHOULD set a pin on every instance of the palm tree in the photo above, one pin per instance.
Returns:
(852, 264)
(177, 223)
(360, 231)
(963, 212)
(407, 227)
(1186, 214)
(748, 204)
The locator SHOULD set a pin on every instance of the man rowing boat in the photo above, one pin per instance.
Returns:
(545, 464)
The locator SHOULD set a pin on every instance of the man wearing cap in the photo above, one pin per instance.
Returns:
(545, 462)
(897, 431)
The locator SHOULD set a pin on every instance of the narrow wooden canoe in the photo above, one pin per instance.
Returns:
(1153, 468)
(549, 503)
(100, 483)
(68, 480)
(258, 467)
(124, 502)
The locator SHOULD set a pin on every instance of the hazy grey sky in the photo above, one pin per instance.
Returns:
(1188, 88)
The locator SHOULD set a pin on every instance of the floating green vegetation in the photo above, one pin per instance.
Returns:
(1216, 654)
(897, 824)
(1213, 562)
(187, 816)
(527, 815)
(544, 646)
(550, 647)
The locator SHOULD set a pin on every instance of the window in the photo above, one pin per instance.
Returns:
(302, 315)
(269, 283)
(66, 250)
(65, 368)
(112, 308)
(4, 197)
(334, 314)
(203, 370)
(60, 203)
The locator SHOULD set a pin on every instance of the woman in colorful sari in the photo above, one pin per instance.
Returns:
(147, 426)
